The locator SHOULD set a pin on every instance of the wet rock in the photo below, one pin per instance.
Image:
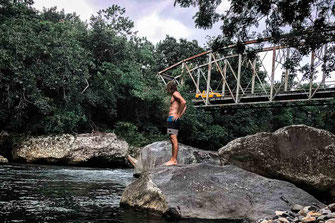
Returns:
(157, 153)
(325, 211)
(306, 214)
(212, 192)
(314, 214)
(3, 160)
(305, 210)
(296, 208)
(308, 219)
(283, 220)
(279, 213)
(330, 220)
(95, 149)
(299, 154)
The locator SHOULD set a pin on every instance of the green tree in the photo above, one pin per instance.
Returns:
(43, 68)
(170, 51)
(305, 24)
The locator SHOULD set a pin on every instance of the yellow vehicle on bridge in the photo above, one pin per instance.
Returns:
(211, 94)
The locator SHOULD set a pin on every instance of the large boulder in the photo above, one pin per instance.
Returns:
(158, 153)
(205, 191)
(95, 149)
(300, 154)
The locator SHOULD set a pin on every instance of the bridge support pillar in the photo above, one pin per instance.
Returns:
(224, 78)
(273, 72)
(253, 77)
(209, 77)
(238, 78)
(286, 71)
(311, 75)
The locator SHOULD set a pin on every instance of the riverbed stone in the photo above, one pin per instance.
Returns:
(296, 208)
(331, 207)
(3, 160)
(157, 153)
(300, 154)
(205, 191)
(284, 220)
(93, 149)
(308, 219)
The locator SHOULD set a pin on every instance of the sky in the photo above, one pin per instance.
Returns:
(153, 19)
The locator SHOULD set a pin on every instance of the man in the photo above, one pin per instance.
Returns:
(177, 109)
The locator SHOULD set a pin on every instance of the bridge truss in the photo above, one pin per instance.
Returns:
(235, 79)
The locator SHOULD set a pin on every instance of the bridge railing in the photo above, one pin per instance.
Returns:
(266, 78)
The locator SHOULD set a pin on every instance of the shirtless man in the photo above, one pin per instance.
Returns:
(177, 109)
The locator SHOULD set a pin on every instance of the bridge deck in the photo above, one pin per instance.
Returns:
(257, 98)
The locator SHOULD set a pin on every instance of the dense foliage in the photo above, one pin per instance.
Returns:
(58, 74)
(61, 75)
(304, 24)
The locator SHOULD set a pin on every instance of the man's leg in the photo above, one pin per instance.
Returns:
(175, 147)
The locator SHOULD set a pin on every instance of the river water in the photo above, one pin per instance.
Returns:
(38, 193)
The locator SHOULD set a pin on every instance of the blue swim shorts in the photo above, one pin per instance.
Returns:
(173, 126)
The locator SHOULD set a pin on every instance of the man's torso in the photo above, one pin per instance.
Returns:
(174, 107)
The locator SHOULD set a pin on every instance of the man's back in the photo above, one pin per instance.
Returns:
(175, 103)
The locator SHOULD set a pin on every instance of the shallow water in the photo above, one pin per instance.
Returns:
(38, 193)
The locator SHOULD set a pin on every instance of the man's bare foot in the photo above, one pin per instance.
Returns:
(170, 163)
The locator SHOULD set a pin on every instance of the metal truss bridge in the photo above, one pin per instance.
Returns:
(235, 79)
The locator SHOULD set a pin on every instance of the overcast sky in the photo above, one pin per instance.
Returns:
(153, 19)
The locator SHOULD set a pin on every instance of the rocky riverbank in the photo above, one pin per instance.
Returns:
(245, 188)
(251, 178)
(303, 214)
(93, 149)
(206, 191)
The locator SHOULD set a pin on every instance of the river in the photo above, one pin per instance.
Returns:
(40, 193)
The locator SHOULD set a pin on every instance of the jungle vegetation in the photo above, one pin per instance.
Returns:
(59, 74)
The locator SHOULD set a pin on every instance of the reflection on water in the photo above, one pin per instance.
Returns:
(36, 193)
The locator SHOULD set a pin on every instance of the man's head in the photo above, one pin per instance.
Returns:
(171, 87)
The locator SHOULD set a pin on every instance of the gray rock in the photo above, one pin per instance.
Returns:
(95, 149)
(206, 191)
(325, 211)
(299, 154)
(3, 160)
(157, 153)
(296, 208)
(331, 207)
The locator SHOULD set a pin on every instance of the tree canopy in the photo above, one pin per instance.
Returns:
(297, 18)
(304, 24)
